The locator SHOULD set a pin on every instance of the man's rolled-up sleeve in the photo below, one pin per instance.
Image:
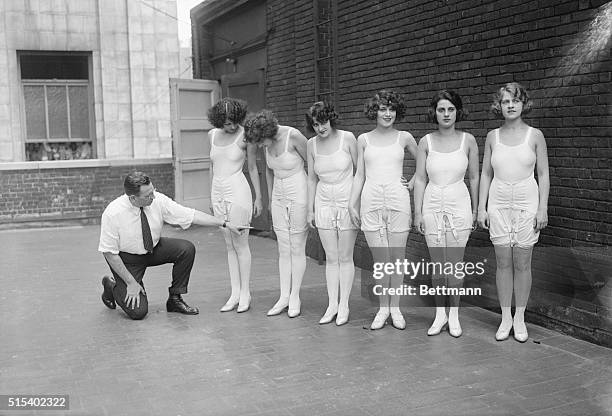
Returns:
(109, 236)
(175, 213)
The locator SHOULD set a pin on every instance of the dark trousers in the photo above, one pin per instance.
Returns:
(169, 250)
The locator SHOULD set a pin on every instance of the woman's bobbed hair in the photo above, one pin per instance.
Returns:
(260, 126)
(451, 96)
(231, 109)
(321, 112)
(388, 98)
(516, 90)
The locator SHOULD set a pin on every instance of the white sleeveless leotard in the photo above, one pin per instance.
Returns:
(230, 193)
(335, 172)
(446, 202)
(513, 195)
(383, 196)
(289, 203)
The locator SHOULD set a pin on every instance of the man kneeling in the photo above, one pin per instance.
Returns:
(131, 241)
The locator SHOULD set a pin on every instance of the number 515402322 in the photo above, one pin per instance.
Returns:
(34, 401)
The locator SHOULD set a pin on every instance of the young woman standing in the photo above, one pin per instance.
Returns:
(332, 157)
(512, 205)
(445, 212)
(285, 156)
(230, 195)
(384, 212)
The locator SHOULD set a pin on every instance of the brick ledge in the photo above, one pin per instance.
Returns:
(89, 163)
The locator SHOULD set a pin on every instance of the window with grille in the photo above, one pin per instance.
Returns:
(57, 105)
(325, 49)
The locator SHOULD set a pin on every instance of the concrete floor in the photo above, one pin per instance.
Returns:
(58, 338)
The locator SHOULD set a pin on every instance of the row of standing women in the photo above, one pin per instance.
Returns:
(357, 184)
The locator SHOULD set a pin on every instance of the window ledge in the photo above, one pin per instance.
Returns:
(86, 163)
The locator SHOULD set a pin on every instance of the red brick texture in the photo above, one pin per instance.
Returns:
(69, 194)
(419, 47)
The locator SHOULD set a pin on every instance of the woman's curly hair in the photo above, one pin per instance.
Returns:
(231, 109)
(260, 126)
(516, 90)
(321, 112)
(455, 100)
(388, 98)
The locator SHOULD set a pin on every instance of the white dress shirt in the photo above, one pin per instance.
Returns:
(121, 228)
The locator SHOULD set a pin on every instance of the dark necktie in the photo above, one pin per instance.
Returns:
(146, 231)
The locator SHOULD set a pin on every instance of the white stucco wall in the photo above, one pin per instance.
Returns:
(135, 50)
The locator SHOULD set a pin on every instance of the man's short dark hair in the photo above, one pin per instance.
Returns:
(133, 181)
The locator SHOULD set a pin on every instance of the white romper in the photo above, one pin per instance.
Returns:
(446, 203)
(513, 195)
(385, 202)
(289, 193)
(335, 172)
(230, 193)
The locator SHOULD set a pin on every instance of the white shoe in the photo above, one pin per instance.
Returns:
(380, 319)
(329, 316)
(520, 332)
(296, 311)
(436, 328)
(503, 332)
(230, 305)
(278, 308)
(455, 329)
(397, 320)
(342, 317)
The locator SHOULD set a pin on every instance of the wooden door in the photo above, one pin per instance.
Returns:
(190, 100)
(249, 86)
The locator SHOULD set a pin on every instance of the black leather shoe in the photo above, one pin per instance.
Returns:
(176, 303)
(108, 299)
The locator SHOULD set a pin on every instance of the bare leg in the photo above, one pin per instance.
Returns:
(346, 245)
(504, 280)
(522, 288)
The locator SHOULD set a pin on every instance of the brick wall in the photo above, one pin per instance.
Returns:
(69, 194)
(281, 77)
(474, 47)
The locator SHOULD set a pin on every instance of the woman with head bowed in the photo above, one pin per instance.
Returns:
(230, 192)
(285, 150)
